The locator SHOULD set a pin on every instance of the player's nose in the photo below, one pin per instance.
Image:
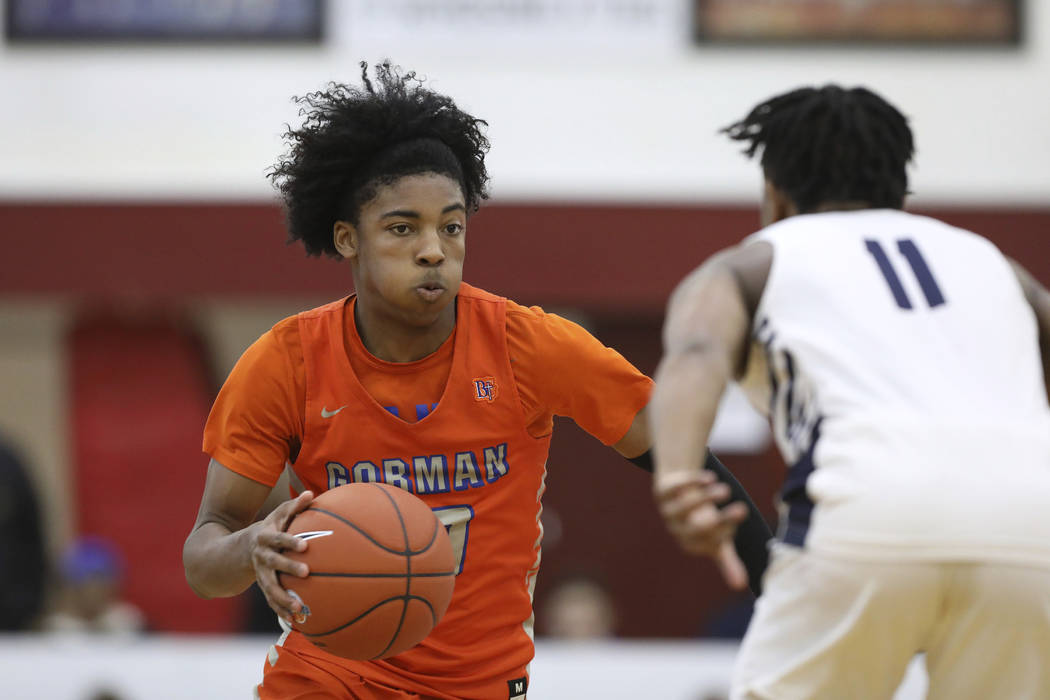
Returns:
(430, 251)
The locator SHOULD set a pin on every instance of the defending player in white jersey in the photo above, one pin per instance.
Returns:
(902, 362)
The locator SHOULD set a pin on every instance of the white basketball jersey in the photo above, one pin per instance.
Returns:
(899, 362)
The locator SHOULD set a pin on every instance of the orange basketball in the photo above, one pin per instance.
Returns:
(381, 570)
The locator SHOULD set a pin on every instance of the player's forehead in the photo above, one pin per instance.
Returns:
(427, 192)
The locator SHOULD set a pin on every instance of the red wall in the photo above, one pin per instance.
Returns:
(139, 393)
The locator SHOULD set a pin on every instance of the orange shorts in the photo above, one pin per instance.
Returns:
(288, 676)
(295, 669)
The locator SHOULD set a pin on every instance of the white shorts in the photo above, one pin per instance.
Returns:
(828, 627)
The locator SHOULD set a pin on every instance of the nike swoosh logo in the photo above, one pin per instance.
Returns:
(314, 534)
(325, 413)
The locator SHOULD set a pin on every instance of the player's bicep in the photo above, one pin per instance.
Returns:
(708, 313)
(229, 499)
(637, 440)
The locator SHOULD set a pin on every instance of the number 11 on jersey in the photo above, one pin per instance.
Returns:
(910, 251)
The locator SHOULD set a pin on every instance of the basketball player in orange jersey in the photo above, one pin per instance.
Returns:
(417, 380)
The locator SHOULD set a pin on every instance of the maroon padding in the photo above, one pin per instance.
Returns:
(139, 399)
(603, 258)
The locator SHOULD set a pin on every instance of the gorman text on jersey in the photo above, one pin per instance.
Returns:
(423, 474)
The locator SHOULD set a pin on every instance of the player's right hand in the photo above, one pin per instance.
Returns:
(689, 505)
(268, 542)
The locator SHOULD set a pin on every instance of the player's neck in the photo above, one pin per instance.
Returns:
(392, 339)
(846, 205)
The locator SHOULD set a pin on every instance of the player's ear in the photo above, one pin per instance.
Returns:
(345, 238)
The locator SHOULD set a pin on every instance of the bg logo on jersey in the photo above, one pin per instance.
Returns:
(485, 389)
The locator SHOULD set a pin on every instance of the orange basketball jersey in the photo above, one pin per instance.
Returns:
(472, 460)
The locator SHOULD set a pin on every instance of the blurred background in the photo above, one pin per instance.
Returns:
(142, 249)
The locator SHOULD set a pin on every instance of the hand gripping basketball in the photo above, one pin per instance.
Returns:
(269, 547)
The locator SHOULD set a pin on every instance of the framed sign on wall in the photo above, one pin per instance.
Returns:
(938, 22)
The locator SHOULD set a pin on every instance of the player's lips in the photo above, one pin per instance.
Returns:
(431, 290)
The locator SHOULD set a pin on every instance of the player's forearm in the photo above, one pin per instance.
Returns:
(217, 561)
(689, 385)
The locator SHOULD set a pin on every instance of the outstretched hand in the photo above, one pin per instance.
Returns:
(269, 541)
(689, 505)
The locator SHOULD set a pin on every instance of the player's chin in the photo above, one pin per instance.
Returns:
(424, 310)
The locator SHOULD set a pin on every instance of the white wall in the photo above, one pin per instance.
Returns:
(618, 107)
(175, 668)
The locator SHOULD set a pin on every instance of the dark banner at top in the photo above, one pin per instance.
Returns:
(164, 21)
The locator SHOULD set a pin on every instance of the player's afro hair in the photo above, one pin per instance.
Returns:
(354, 139)
(830, 144)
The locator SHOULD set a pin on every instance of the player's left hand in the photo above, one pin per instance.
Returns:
(689, 504)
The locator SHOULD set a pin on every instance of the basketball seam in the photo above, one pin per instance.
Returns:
(433, 538)
(404, 598)
(408, 574)
(430, 607)
(433, 574)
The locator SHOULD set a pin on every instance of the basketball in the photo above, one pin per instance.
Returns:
(381, 571)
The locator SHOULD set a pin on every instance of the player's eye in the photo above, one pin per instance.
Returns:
(454, 229)
(400, 229)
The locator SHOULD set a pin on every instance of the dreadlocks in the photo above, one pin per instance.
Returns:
(830, 145)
